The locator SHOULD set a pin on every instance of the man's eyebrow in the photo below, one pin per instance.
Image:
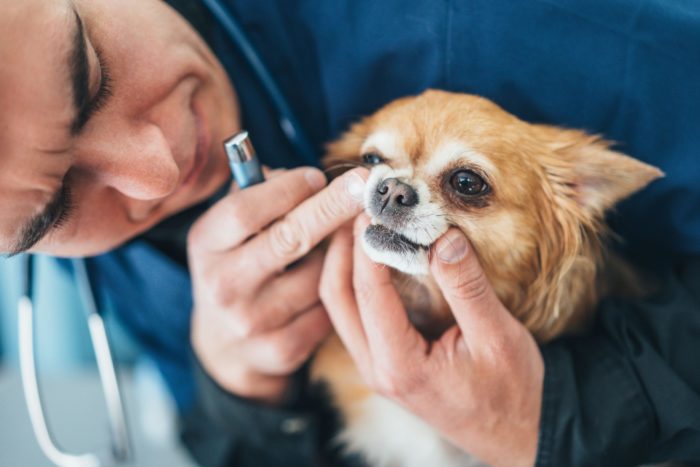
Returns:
(80, 77)
(39, 225)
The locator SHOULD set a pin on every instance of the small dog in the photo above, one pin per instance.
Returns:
(530, 198)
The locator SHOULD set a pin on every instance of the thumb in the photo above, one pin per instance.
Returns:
(456, 269)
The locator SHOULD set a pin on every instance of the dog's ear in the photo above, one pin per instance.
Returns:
(344, 153)
(584, 168)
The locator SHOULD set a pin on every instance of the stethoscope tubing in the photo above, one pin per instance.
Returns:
(119, 435)
(32, 394)
(288, 122)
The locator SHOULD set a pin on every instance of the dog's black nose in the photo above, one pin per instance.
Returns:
(394, 194)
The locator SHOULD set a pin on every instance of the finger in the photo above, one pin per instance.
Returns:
(479, 313)
(268, 173)
(339, 298)
(302, 229)
(285, 297)
(390, 334)
(245, 212)
(272, 173)
(284, 350)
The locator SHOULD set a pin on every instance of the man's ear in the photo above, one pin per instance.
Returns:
(344, 153)
(583, 167)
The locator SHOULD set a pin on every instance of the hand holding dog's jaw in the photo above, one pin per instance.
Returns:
(506, 370)
(479, 385)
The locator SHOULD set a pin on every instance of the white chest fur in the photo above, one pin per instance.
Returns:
(389, 436)
(382, 432)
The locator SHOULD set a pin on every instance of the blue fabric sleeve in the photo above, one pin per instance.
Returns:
(223, 430)
(629, 392)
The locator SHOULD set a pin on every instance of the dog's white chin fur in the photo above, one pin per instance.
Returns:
(416, 263)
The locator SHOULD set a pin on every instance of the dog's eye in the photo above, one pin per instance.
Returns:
(372, 158)
(466, 182)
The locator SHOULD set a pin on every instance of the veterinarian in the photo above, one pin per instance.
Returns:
(112, 117)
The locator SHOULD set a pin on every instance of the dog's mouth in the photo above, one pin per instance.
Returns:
(386, 246)
(383, 238)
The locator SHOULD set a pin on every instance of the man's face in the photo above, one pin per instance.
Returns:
(112, 116)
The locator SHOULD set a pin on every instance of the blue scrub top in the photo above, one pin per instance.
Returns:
(626, 69)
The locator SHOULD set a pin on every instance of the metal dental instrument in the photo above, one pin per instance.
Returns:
(244, 163)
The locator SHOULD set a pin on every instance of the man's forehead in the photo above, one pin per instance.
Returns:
(35, 42)
(34, 20)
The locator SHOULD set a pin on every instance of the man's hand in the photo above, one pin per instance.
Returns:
(256, 318)
(480, 384)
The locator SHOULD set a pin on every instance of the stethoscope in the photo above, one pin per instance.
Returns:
(121, 451)
(120, 445)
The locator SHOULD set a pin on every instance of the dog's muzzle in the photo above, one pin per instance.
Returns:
(405, 220)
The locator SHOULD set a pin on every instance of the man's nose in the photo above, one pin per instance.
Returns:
(393, 195)
(135, 160)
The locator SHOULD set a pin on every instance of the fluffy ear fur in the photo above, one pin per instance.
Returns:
(586, 169)
(587, 178)
(344, 153)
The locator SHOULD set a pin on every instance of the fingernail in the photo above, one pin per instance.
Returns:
(355, 186)
(452, 247)
(316, 179)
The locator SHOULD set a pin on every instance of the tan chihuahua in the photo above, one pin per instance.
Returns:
(530, 198)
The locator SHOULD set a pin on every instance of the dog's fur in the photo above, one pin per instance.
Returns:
(537, 230)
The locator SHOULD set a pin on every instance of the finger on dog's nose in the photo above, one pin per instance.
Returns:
(244, 213)
(293, 236)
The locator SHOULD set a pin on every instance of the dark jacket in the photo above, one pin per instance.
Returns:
(627, 393)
